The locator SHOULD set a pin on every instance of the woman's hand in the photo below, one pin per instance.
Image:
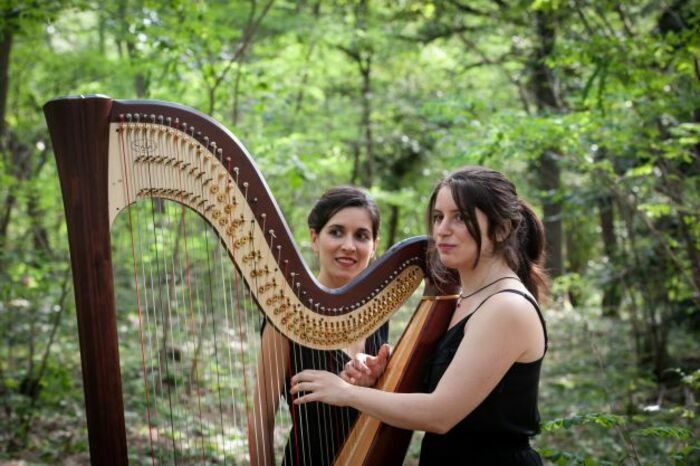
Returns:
(365, 369)
(320, 386)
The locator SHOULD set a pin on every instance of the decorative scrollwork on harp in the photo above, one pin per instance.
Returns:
(112, 154)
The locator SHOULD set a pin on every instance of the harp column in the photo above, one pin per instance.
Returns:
(79, 132)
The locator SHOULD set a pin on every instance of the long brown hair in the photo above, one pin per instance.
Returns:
(513, 227)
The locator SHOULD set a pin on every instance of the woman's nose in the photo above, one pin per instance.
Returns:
(348, 243)
(443, 228)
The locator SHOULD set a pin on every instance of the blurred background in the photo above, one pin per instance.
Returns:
(591, 106)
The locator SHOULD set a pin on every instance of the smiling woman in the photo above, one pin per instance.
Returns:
(480, 400)
(344, 225)
(344, 245)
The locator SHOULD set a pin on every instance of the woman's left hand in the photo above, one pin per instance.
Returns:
(320, 386)
(364, 369)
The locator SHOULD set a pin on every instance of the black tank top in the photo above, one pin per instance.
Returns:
(319, 430)
(503, 422)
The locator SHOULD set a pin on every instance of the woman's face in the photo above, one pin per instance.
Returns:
(455, 245)
(344, 246)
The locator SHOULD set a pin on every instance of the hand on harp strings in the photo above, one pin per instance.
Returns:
(178, 249)
(365, 369)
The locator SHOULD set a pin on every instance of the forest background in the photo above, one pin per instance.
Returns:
(591, 106)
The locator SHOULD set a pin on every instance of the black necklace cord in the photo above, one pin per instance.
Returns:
(465, 296)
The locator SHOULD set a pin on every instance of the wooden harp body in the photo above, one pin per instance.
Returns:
(114, 154)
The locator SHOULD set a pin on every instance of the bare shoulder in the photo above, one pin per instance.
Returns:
(512, 321)
(506, 308)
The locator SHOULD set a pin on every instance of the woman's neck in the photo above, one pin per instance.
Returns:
(486, 271)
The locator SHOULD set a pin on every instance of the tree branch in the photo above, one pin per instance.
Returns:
(250, 30)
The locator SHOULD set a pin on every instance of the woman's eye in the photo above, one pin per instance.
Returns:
(362, 236)
(335, 233)
(459, 218)
(437, 218)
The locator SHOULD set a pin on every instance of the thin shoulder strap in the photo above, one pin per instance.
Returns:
(530, 299)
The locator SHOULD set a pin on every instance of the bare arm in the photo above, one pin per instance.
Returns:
(504, 331)
(272, 368)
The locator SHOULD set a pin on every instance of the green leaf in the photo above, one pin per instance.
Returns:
(605, 420)
(679, 433)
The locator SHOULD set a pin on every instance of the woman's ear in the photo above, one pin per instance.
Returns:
(314, 239)
(374, 248)
(503, 231)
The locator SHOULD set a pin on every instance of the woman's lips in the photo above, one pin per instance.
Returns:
(446, 248)
(345, 261)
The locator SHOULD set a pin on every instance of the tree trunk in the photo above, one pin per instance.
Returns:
(543, 87)
(612, 295)
(5, 48)
(393, 226)
(550, 184)
(236, 94)
(366, 70)
(9, 199)
(355, 163)
(140, 80)
(39, 233)
(612, 287)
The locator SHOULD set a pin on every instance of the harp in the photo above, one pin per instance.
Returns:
(114, 155)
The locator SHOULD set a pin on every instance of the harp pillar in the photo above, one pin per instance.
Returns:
(79, 128)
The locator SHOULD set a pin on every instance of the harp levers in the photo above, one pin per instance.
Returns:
(209, 254)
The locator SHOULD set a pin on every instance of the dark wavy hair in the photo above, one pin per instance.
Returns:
(513, 227)
(338, 198)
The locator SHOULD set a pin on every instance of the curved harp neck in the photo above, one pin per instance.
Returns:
(163, 150)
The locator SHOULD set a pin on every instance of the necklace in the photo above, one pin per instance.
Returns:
(465, 296)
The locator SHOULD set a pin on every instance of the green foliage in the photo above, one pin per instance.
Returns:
(320, 91)
(601, 419)
(664, 432)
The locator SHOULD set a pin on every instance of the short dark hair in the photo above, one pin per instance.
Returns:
(338, 198)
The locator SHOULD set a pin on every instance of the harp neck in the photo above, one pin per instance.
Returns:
(133, 150)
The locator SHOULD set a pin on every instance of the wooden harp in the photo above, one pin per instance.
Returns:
(112, 155)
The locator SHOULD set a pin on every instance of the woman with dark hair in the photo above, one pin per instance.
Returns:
(344, 226)
(480, 405)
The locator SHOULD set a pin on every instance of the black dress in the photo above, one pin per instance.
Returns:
(497, 432)
(319, 430)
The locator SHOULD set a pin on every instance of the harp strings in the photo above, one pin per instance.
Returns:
(193, 388)
(135, 272)
(190, 308)
(199, 325)
(180, 287)
(197, 321)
